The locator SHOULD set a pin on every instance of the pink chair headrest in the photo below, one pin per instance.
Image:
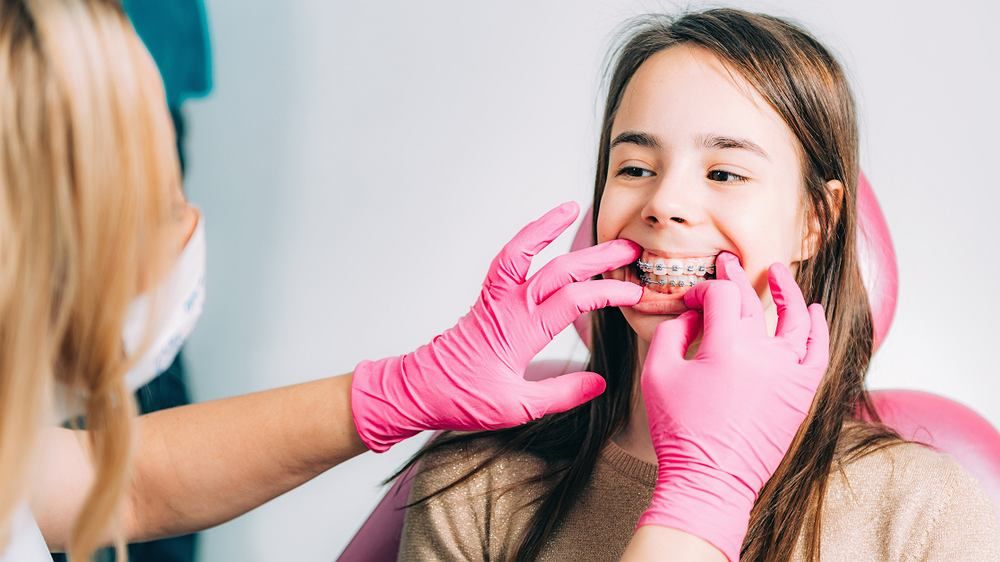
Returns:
(878, 261)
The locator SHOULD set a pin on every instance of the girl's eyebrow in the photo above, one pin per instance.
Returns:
(709, 140)
(636, 137)
(722, 142)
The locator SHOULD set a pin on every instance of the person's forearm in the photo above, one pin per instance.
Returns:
(200, 465)
(652, 542)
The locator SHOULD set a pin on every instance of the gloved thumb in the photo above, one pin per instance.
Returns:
(565, 392)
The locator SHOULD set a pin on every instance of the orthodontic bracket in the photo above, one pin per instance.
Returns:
(647, 280)
(660, 268)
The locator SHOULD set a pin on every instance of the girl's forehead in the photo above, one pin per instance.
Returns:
(688, 90)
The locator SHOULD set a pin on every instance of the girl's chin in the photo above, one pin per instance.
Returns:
(644, 325)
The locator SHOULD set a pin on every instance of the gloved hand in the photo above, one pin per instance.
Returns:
(722, 421)
(471, 377)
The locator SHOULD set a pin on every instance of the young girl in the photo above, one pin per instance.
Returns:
(723, 131)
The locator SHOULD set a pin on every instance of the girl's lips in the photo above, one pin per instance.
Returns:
(653, 302)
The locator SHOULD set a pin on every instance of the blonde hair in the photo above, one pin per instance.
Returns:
(88, 171)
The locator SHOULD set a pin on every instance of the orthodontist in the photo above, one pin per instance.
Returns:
(101, 278)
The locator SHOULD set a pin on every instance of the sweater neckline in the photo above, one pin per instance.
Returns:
(629, 465)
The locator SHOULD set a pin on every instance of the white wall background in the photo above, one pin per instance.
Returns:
(345, 136)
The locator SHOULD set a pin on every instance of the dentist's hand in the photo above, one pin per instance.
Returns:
(471, 377)
(722, 421)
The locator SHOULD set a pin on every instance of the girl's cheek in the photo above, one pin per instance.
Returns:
(605, 230)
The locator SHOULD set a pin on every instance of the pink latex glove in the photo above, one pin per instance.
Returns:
(722, 421)
(471, 377)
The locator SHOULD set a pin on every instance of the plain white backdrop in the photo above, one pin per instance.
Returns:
(359, 163)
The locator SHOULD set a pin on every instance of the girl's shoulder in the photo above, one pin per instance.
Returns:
(906, 471)
(907, 498)
(472, 465)
(898, 463)
(470, 498)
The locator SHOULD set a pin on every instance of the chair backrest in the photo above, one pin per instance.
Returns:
(947, 425)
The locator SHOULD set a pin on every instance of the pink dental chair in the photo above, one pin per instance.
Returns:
(923, 416)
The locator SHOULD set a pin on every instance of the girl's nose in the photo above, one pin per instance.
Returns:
(674, 200)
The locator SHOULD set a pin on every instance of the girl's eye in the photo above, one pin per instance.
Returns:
(722, 175)
(635, 172)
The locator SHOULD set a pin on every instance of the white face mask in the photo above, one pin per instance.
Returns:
(178, 301)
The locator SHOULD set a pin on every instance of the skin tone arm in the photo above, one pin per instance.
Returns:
(201, 465)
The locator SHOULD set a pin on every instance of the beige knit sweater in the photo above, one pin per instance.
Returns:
(905, 502)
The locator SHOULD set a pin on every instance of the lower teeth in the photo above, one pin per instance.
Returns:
(647, 280)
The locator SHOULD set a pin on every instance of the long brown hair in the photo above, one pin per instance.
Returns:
(88, 174)
(806, 86)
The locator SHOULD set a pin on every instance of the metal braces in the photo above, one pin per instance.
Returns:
(647, 280)
(660, 268)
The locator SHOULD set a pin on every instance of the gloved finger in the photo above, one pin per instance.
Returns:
(581, 265)
(564, 392)
(727, 266)
(719, 301)
(793, 316)
(673, 337)
(818, 344)
(510, 266)
(568, 303)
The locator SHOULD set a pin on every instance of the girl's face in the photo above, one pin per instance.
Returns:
(701, 163)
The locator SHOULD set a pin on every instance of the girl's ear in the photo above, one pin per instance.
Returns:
(812, 236)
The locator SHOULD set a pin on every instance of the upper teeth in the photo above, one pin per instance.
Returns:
(676, 267)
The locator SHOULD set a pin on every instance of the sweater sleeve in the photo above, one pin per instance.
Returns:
(964, 525)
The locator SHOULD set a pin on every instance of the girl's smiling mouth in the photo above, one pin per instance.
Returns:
(673, 275)
(666, 276)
